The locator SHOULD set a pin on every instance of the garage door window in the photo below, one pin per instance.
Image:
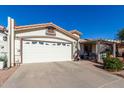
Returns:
(58, 44)
(47, 43)
(54, 44)
(68, 45)
(27, 43)
(41, 43)
(63, 44)
(34, 42)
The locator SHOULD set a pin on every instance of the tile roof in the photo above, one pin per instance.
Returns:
(33, 26)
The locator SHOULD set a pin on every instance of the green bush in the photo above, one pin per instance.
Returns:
(4, 59)
(113, 64)
(1, 58)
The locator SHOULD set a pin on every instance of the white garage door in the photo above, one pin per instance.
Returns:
(37, 51)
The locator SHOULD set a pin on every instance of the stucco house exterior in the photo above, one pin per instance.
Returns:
(48, 42)
(44, 43)
(37, 43)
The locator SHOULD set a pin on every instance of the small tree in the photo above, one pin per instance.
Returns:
(120, 34)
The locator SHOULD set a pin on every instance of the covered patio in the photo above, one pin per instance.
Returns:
(97, 49)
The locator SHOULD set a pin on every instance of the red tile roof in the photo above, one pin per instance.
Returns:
(26, 27)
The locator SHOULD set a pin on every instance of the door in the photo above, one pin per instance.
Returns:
(38, 51)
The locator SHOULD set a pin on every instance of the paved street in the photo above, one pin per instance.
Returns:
(62, 75)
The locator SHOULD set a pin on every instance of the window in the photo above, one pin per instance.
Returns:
(41, 43)
(27, 43)
(54, 44)
(68, 45)
(63, 44)
(47, 43)
(58, 44)
(50, 28)
(34, 42)
(50, 31)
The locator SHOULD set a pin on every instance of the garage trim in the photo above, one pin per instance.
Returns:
(24, 39)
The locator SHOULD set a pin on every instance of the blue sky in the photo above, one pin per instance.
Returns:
(92, 21)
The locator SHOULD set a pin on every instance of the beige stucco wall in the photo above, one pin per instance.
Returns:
(41, 32)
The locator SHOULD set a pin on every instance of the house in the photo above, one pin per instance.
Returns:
(45, 42)
(3, 40)
(48, 42)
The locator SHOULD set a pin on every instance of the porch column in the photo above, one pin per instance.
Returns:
(12, 43)
(82, 48)
(114, 49)
(9, 43)
(98, 51)
(78, 44)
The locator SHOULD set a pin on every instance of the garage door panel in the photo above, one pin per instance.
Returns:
(47, 52)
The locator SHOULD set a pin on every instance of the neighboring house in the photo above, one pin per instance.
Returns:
(45, 43)
(3, 40)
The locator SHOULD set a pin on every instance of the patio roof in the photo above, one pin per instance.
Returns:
(87, 41)
(104, 41)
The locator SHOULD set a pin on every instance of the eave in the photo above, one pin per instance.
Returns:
(35, 26)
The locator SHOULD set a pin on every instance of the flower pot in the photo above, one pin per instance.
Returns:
(1, 64)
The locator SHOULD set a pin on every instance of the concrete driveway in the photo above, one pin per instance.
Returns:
(62, 75)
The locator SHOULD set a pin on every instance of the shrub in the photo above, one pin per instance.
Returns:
(1, 58)
(113, 64)
(4, 59)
